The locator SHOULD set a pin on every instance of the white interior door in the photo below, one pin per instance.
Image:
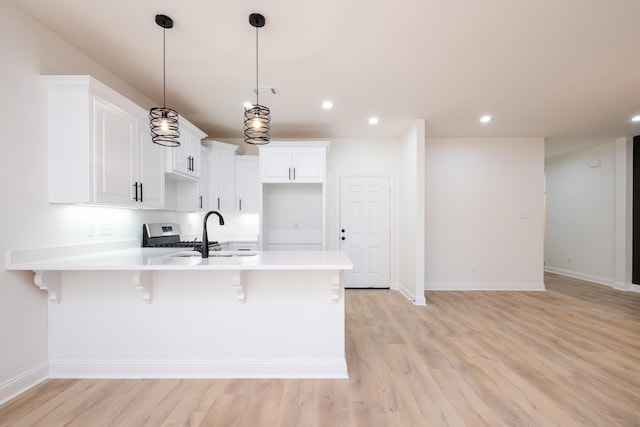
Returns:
(364, 230)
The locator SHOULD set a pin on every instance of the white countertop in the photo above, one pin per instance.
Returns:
(165, 259)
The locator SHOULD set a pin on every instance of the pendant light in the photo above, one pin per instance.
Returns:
(163, 120)
(257, 118)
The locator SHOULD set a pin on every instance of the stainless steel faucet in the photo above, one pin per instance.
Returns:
(205, 239)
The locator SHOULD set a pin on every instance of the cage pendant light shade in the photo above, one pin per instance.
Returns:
(163, 121)
(257, 119)
(257, 124)
(164, 126)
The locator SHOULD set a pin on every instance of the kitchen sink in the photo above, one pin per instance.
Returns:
(214, 254)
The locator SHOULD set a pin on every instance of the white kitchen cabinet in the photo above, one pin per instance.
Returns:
(222, 175)
(150, 159)
(183, 162)
(294, 162)
(247, 184)
(293, 195)
(100, 150)
(194, 196)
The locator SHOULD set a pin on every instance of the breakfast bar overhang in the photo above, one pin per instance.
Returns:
(162, 313)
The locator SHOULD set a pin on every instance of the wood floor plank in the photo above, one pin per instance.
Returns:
(566, 356)
(193, 405)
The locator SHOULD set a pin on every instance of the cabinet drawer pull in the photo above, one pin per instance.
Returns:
(135, 186)
(239, 204)
(294, 174)
(218, 202)
(141, 199)
(200, 202)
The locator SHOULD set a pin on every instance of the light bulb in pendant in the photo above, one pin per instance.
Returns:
(164, 125)
(257, 124)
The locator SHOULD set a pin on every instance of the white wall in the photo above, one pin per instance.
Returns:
(485, 213)
(28, 220)
(581, 213)
(410, 222)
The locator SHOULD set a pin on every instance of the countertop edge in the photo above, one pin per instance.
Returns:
(160, 259)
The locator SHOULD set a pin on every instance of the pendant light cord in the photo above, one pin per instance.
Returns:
(257, 87)
(164, 68)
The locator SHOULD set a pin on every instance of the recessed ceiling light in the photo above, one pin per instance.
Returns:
(247, 105)
(635, 119)
(485, 119)
(327, 105)
(373, 121)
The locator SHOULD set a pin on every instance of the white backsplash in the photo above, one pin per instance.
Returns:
(237, 227)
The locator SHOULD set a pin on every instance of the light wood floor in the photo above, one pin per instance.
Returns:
(567, 357)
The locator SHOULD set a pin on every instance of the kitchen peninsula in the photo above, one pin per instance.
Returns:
(119, 311)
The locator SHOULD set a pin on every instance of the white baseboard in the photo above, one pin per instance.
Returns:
(583, 276)
(297, 368)
(621, 286)
(483, 286)
(415, 299)
(23, 382)
(408, 295)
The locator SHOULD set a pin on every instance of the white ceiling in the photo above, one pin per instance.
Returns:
(568, 70)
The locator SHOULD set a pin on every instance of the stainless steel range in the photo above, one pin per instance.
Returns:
(167, 235)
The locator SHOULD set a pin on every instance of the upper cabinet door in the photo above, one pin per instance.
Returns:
(293, 162)
(151, 166)
(275, 165)
(183, 162)
(115, 148)
(193, 196)
(308, 165)
(222, 175)
(247, 184)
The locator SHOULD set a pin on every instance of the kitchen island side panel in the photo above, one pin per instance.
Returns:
(196, 326)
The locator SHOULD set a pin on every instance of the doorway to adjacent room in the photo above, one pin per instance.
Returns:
(365, 231)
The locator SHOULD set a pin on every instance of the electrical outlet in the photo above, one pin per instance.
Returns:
(106, 230)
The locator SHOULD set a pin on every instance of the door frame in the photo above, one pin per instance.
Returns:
(393, 267)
